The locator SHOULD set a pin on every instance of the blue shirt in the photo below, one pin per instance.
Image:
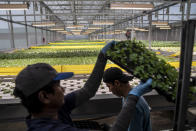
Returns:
(141, 119)
(64, 123)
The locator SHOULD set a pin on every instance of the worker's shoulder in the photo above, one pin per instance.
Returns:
(142, 103)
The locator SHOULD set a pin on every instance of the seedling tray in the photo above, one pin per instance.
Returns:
(133, 57)
(165, 94)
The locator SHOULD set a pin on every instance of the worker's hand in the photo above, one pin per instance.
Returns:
(108, 46)
(142, 88)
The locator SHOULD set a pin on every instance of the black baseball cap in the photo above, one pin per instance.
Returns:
(36, 76)
(114, 73)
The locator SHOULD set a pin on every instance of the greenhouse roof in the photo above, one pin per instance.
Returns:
(94, 16)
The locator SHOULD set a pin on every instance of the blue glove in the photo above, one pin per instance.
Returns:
(108, 46)
(142, 88)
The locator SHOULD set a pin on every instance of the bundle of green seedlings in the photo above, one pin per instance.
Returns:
(143, 64)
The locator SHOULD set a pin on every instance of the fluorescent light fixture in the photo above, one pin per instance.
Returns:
(75, 26)
(68, 33)
(130, 28)
(90, 30)
(57, 29)
(62, 31)
(42, 24)
(14, 6)
(164, 28)
(103, 22)
(131, 6)
(112, 32)
(94, 28)
(142, 29)
(76, 30)
(138, 29)
(76, 33)
(159, 23)
(119, 31)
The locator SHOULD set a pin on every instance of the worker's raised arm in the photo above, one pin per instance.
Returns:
(94, 81)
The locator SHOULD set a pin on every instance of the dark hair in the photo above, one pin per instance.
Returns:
(121, 81)
(32, 102)
(114, 73)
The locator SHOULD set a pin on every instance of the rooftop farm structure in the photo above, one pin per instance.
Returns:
(68, 34)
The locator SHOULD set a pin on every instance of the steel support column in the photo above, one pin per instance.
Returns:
(43, 41)
(150, 30)
(188, 9)
(55, 36)
(12, 31)
(132, 23)
(187, 42)
(73, 11)
(35, 21)
(42, 33)
(26, 30)
(182, 9)
(156, 34)
(167, 35)
(50, 36)
(46, 37)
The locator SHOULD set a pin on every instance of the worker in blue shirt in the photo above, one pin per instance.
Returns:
(118, 84)
(38, 87)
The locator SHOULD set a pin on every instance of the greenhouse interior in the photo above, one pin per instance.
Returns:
(146, 39)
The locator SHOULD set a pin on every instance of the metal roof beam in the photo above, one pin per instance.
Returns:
(70, 9)
(44, 5)
(101, 10)
(162, 6)
(86, 20)
(20, 23)
(84, 14)
(73, 10)
(165, 1)
(76, 5)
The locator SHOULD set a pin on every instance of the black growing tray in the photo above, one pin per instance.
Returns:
(165, 94)
(122, 66)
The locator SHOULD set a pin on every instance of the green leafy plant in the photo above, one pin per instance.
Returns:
(51, 54)
(144, 64)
